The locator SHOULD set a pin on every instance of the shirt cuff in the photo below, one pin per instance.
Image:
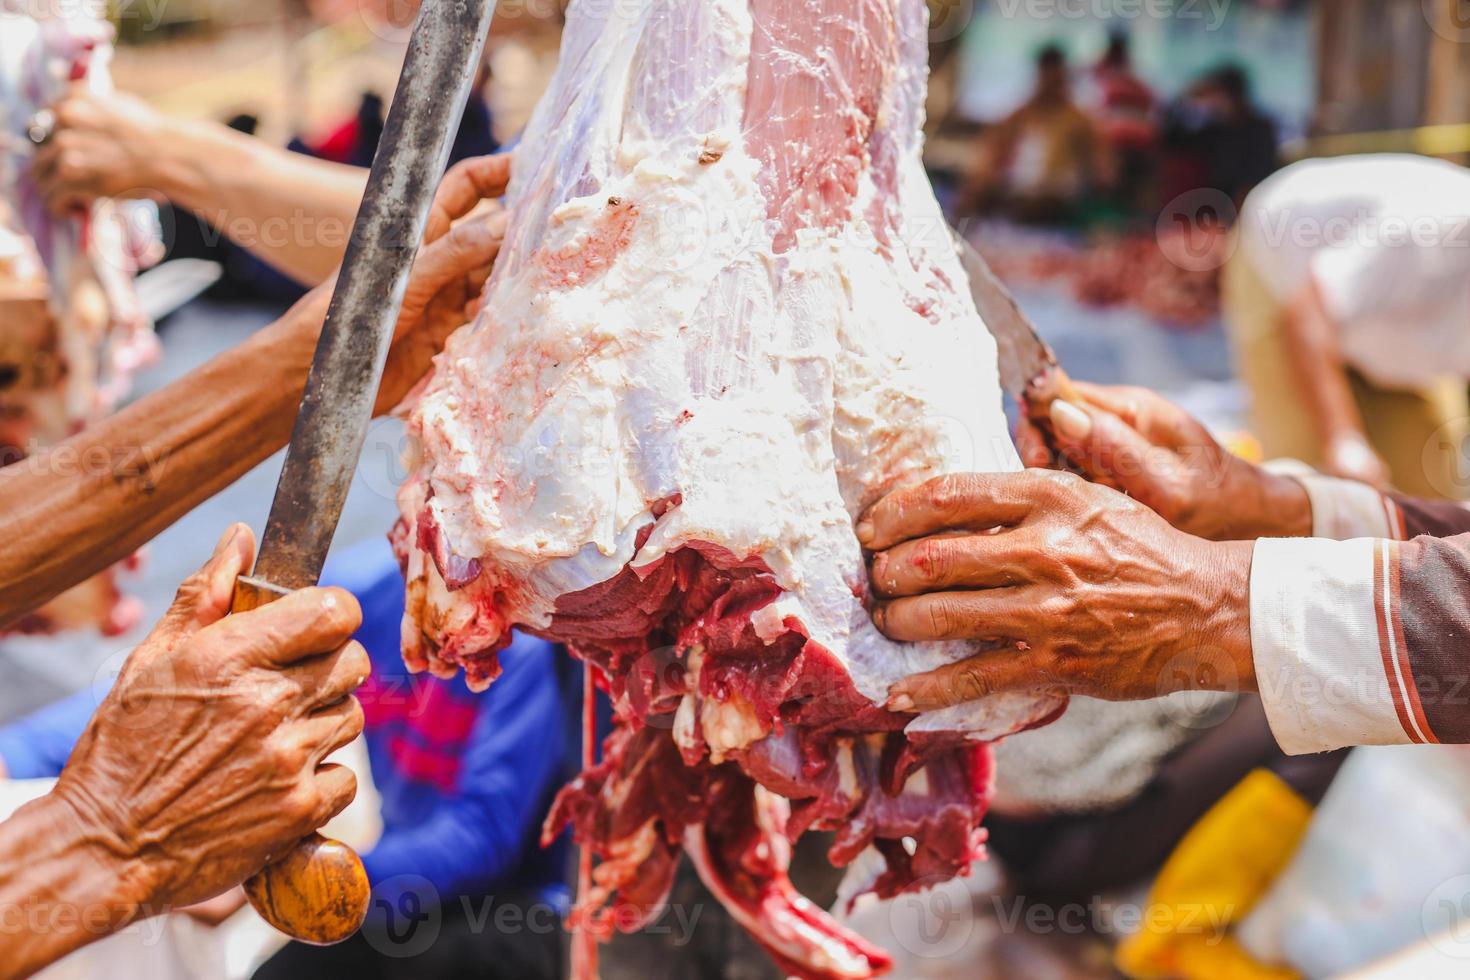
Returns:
(1317, 635)
(1346, 509)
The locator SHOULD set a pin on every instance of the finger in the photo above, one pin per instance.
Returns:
(466, 184)
(959, 501)
(982, 675)
(336, 786)
(1109, 450)
(329, 678)
(1007, 614)
(1032, 447)
(74, 109)
(205, 596)
(1158, 419)
(303, 624)
(954, 562)
(329, 729)
(43, 166)
(468, 246)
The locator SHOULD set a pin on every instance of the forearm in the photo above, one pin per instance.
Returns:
(59, 889)
(288, 209)
(77, 507)
(1317, 367)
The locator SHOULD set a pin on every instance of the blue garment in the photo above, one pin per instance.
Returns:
(38, 745)
(464, 778)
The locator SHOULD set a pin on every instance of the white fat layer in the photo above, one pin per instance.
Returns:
(778, 394)
(728, 726)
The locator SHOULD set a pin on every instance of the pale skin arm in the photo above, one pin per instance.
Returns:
(290, 210)
(1316, 363)
(91, 500)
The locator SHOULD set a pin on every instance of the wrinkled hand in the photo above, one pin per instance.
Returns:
(461, 240)
(1132, 440)
(1076, 588)
(102, 146)
(204, 761)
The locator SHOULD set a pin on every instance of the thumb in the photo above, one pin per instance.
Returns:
(1101, 445)
(205, 596)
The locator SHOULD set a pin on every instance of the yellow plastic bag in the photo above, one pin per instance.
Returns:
(1220, 870)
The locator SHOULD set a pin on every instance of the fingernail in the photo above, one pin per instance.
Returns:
(865, 531)
(899, 704)
(1070, 421)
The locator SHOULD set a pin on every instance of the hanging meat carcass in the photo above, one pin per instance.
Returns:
(71, 329)
(727, 318)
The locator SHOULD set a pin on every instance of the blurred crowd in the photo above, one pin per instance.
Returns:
(1097, 141)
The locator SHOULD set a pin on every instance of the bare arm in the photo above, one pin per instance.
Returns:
(1316, 363)
(59, 890)
(288, 209)
(80, 506)
(83, 504)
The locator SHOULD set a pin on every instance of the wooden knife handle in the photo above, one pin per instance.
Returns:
(318, 893)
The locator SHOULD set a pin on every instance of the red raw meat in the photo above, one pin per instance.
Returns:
(724, 322)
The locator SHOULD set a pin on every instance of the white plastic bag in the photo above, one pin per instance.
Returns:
(1385, 864)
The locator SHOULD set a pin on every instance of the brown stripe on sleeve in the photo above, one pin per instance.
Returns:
(1436, 518)
(1431, 577)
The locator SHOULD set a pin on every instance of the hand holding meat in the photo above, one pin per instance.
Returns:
(1076, 588)
(461, 241)
(1132, 440)
(104, 146)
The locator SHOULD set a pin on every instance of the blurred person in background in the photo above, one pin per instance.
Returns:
(1040, 162)
(1122, 109)
(1214, 137)
(1349, 312)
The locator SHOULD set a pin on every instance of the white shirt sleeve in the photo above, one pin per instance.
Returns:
(1322, 645)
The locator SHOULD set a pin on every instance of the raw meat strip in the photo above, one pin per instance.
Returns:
(71, 329)
(727, 318)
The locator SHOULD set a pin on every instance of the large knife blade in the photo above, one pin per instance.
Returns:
(319, 892)
(1029, 371)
